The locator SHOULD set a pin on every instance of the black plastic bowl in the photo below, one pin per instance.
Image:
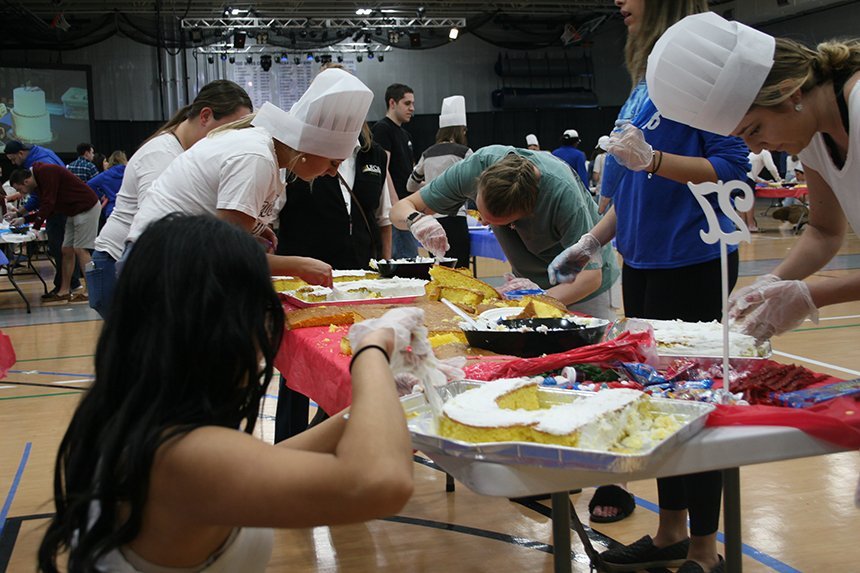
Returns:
(563, 335)
(411, 269)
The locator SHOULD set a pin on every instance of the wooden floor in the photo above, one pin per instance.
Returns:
(798, 515)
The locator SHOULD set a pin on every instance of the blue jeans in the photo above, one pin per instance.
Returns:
(403, 244)
(101, 279)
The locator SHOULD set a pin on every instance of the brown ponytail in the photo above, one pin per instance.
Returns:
(223, 97)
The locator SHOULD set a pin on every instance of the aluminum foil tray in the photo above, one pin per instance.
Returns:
(425, 437)
(301, 303)
(737, 362)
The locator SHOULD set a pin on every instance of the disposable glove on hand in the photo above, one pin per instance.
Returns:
(403, 322)
(571, 261)
(431, 235)
(784, 306)
(513, 283)
(627, 144)
(745, 300)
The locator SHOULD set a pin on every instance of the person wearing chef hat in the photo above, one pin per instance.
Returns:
(779, 94)
(570, 154)
(598, 158)
(532, 142)
(234, 173)
(668, 271)
(451, 147)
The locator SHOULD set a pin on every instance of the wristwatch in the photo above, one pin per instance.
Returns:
(412, 217)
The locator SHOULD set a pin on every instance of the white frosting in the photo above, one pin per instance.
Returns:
(348, 273)
(29, 101)
(567, 418)
(30, 114)
(699, 339)
(365, 289)
(478, 407)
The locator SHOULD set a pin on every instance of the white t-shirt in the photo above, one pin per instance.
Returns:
(142, 170)
(759, 161)
(844, 182)
(233, 170)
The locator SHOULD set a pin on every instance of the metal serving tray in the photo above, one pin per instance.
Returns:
(425, 436)
(737, 362)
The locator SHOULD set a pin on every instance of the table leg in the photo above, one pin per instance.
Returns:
(449, 482)
(36, 271)
(561, 556)
(732, 519)
(475, 266)
(291, 414)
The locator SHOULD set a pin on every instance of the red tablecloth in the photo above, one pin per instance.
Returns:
(781, 192)
(312, 364)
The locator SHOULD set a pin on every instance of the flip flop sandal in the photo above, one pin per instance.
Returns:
(78, 297)
(612, 496)
(642, 554)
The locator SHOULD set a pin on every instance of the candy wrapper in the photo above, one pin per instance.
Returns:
(518, 294)
(811, 396)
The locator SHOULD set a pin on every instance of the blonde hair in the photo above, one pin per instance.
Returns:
(657, 17)
(797, 67)
(117, 158)
(241, 123)
(509, 186)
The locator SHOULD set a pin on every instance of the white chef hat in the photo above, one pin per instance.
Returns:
(570, 134)
(531, 139)
(705, 71)
(453, 111)
(603, 141)
(327, 118)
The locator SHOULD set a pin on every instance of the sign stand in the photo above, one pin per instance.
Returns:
(743, 202)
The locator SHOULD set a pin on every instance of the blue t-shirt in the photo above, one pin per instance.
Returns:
(107, 184)
(659, 220)
(576, 159)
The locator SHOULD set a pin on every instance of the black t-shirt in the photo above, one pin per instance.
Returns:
(396, 140)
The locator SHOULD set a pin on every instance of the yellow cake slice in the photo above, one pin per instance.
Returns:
(446, 277)
(498, 411)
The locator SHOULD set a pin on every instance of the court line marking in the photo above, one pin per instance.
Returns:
(814, 328)
(55, 358)
(79, 380)
(846, 317)
(817, 362)
(748, 550)
(47, 373)
(41, 395)
(7, 387)
(14, 488)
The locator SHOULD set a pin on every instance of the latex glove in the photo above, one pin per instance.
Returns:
(571, 261)
(513, 283)
(784, 305)
(745, 300)
(17, 222)
(452, 368)
(431, 235)
(314, 272)
(402, 322)
(627, 144)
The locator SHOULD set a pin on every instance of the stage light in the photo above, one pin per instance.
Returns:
(223, 57)
(266, 62)
(284, 58)
(210, 59)
(309, 57)
(393, 37)
(453, 34)
(381, 58)
(263, 38)
(196, 35)
(420, 11)
(369, 54)
(232, 59)
(415, 39)
(363, 12)
(339, 59)
(239, 40)
(317, 59)
(359, 58)
(296, 60)
(249, 60)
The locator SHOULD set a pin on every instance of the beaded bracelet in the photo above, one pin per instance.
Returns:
(363, 348)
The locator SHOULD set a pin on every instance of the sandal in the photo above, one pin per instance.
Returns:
(612, 496)
(57, 298)
(693, 567)
(642, 554)
(78, 297)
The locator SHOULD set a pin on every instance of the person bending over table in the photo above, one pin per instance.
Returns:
(536, 208)
(234, 173)
(805, 102)
(159, 467)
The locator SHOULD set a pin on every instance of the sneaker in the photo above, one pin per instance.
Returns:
(51, 296)
(693, 567)
(642, 554)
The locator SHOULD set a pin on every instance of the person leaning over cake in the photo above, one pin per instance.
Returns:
(668, 272)
(536, 206)
(159, 469)
(793, 99)
(218, 103)
(234, 173)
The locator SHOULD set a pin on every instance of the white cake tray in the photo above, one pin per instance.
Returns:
(300, 303)
(425, 436)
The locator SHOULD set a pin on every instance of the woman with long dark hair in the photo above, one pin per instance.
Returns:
(216, 104)
(159, 464)
(669, 272)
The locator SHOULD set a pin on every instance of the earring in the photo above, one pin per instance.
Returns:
(304, 159)
(798, 107)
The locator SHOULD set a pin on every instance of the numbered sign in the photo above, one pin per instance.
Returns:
(744, 201)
